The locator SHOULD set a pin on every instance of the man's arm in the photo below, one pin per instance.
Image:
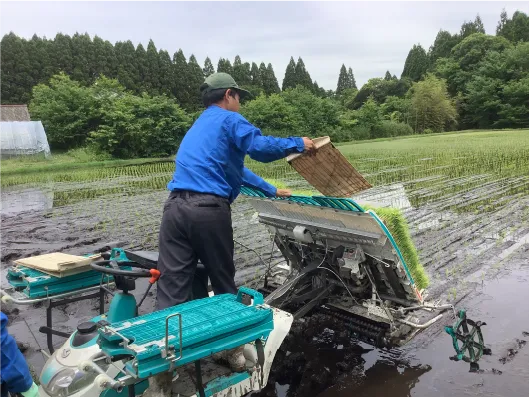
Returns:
(15, 371)
(252, 180)
(249, 139)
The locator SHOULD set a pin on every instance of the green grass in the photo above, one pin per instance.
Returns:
(468, 152)
(404, 137)
(445, 164)
(441, 165)
(504, 153)
(35, 174)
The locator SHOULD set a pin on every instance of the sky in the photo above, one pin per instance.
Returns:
(369, 37)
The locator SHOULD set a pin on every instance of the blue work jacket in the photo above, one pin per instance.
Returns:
(15, 374)
(211, 156)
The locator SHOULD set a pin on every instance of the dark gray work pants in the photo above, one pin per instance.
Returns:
(3, 390)
(194, 227)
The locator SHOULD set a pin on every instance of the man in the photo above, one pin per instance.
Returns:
(196, 222)
(15, 375)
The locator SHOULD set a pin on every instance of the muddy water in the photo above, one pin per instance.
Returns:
(425, 368)
(320, 358)
(475, 259)
(502, 304)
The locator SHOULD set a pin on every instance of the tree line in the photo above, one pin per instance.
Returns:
(466, 80)
(128, 101)
(487, 76)
(26, 63)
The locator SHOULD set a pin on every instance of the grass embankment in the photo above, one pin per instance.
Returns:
(64, 162)
(405, 137)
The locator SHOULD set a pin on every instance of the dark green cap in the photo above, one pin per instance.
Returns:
(222, 80)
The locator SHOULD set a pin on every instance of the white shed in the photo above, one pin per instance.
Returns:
(23, 138)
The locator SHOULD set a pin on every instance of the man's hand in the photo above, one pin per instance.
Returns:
(283, 193)
(310, 147)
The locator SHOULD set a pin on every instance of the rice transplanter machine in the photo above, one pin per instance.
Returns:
(339, 259)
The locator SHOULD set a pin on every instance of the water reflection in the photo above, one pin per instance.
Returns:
(383, 379)
(15, 201)
(394, 196)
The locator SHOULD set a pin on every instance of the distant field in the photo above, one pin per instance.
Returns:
(464, 196)
(431, 167)
(435, 166)
(64, 162)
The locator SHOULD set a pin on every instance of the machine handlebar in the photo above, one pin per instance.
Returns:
(113, 267)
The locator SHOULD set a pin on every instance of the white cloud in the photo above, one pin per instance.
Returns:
(370, 37)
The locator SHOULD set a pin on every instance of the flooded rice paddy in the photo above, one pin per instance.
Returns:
(466, 200)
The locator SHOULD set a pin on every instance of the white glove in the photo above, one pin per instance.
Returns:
(33, 392)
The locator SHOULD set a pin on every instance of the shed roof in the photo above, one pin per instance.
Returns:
(14, 113)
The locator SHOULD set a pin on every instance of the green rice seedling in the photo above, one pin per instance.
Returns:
(398, 227)
(433, 168)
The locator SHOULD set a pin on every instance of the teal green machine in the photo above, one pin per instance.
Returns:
(117, 352)
(29, 286)
(320, 229)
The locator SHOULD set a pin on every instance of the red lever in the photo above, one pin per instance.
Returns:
(155, 275)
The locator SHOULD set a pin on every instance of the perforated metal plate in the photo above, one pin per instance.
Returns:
(209, 325)
(202, 321)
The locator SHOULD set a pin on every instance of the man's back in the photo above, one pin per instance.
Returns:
(207, 160)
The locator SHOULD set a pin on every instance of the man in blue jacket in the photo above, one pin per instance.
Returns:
(196, 223)
(15, 375)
